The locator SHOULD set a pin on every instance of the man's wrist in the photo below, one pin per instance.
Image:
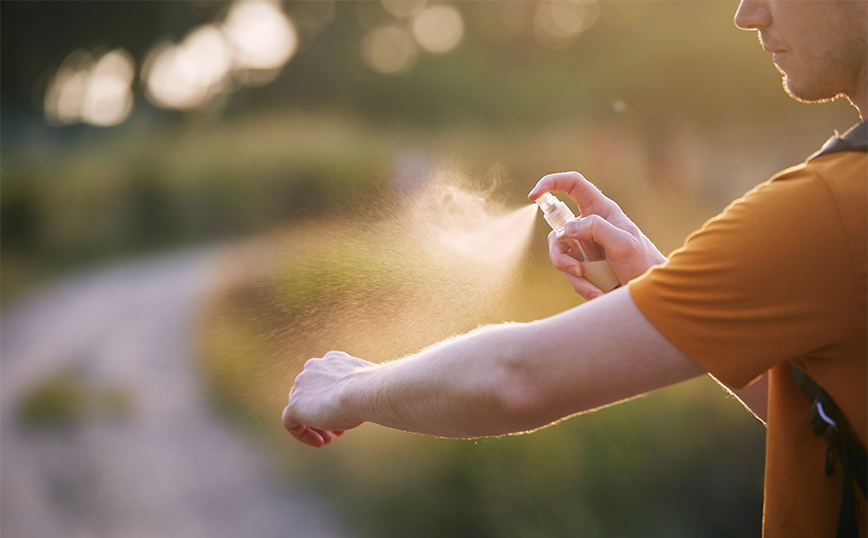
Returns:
(353, 397)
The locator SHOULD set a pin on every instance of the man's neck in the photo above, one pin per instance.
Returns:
(860, 99)
(861, 105)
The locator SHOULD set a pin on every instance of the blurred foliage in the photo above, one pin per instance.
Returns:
(633, 470)
(65, 400)
(58, 402)
(197, 184)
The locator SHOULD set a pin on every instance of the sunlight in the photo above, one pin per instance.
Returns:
(438, 28)
(66, 91)
(108, 99)
(91, 91)
(262, 35)
(404, 8)
(172, 78)
(250, 47)
(389, 49)
(210, 53)
(190, 74)
(558, 23)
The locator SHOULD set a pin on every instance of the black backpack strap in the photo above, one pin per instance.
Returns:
(856, 139)
(828, 421)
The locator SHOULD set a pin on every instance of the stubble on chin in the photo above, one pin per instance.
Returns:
(804, 94)
(811, 89)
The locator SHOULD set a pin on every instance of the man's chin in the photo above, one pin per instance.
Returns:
(805, 94)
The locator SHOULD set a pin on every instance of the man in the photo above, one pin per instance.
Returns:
(778, 278)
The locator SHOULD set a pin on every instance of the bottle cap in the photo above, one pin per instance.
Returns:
(556, 213)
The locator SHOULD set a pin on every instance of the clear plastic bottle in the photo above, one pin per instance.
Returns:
(589, 253)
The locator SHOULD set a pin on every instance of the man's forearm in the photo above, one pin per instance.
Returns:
(468, 386)
(497, 380)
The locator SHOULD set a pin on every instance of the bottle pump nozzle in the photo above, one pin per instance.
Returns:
(556, 213)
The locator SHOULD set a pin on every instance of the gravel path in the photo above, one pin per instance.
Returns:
(167, 466)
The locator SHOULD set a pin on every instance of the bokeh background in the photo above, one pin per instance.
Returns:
(197, 196)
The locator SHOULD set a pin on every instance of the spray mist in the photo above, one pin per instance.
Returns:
(589, 253)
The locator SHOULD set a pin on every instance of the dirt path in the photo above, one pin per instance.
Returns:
(166, 466)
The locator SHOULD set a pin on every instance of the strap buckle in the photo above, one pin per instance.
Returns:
(825, 426)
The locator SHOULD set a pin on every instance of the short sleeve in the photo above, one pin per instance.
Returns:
(765, 281)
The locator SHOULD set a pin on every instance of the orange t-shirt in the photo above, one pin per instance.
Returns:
(780, 276)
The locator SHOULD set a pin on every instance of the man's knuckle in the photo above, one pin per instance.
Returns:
(623, 247)
(561, 265)
(591, 224)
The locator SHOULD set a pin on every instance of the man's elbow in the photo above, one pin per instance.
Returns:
(512, 385)
(521, 401)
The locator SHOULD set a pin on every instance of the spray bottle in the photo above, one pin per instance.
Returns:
(597, 270)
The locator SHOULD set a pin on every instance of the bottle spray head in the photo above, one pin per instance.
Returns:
(556, 213)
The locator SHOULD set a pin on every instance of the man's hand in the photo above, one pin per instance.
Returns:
(315, 412)
(627, 249)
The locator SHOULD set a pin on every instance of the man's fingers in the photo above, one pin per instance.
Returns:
(288, 422)
(574, 270)
(307, 435)
(326, 435)
(562, 261)
(310, 437)
(588, 197)
(584, 288)
(595, 228)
